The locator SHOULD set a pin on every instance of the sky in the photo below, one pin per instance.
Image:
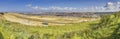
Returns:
(58, 5)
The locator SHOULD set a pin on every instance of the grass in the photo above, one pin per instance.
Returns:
(10, 28)
(49, 29)
(106, 28)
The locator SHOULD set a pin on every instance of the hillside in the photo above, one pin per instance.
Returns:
(14, 26)
(40, 20)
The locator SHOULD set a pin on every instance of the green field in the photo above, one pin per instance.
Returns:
(106, 28)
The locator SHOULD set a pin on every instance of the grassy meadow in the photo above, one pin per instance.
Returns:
(108, 27)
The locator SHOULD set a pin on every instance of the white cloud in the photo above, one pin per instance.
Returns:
(55, 8)
(109, 7)
(29, 5)
(118, 2)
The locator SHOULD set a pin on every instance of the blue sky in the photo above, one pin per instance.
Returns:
(45, 5)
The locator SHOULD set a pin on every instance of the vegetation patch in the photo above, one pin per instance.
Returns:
(108, 27)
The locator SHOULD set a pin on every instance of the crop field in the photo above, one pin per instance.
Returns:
(18, 26)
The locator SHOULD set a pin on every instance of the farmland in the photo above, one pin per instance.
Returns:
(18, 26)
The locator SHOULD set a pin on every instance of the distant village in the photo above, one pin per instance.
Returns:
(68, 14)
(72, 14)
